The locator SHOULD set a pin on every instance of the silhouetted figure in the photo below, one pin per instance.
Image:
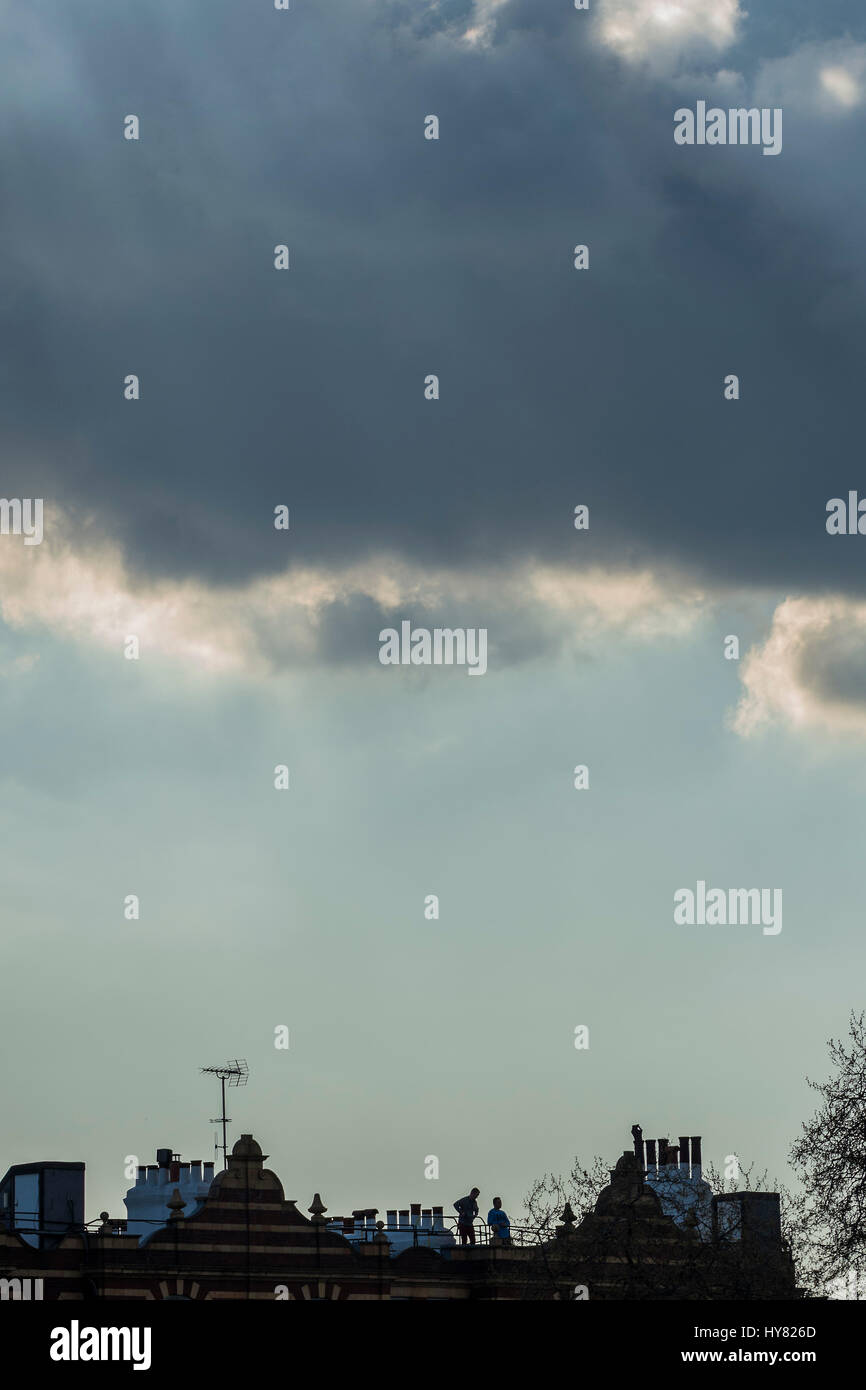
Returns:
(467, 1210)
(498, 1221)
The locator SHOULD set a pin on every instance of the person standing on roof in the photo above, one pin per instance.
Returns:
(467, 1210)
(498, 1221)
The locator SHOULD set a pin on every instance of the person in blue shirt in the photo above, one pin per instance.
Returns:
(498, 1221)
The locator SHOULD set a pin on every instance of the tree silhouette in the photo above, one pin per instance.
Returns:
(829, 1160)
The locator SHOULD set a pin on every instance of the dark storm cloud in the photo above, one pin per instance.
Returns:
(832, 664)
(411, 257)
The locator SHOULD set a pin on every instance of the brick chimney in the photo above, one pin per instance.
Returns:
(696, 1155)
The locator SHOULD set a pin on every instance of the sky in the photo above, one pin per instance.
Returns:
(304, 388)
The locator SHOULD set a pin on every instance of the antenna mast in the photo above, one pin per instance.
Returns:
(236, 1073)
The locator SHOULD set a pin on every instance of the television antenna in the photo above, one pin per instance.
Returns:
(235, 1073)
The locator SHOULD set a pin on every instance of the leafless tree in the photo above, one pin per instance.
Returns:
(829, 1160)
(629, 1249)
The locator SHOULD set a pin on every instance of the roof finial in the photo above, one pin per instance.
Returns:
(175, 1205)
(317, 1210)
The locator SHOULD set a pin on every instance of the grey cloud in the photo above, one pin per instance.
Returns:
(833, 666)
(411, 257)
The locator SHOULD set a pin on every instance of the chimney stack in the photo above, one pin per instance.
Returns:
(637, 1136)
(684, 1154)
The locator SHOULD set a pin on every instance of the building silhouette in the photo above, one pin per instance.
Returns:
(243, 1239)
